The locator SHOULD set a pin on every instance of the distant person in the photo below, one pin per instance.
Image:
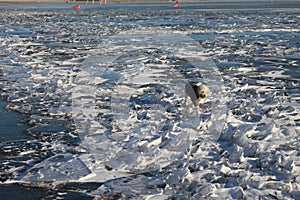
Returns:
(175, 5)
(100, 1)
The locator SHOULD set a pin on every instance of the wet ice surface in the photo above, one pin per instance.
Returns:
(102, 90)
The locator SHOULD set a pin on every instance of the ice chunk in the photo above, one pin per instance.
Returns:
(61, 167)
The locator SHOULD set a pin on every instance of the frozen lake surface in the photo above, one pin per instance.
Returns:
(92, 101)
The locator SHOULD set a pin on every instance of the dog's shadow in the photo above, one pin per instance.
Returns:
(195, 116)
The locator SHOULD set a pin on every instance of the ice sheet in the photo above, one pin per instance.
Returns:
(103, 97)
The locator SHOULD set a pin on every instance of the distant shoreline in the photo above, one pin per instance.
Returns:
(23, 1)
(144, 1)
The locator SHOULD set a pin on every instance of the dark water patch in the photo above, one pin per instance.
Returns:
(12, 124)
(21, 192)
(65, 191)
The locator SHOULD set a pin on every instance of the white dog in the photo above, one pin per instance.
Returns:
(197, 92)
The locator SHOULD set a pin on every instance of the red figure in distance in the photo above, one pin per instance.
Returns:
(175, 5)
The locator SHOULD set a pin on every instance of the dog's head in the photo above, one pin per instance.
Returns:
(203, 91)
(197, 92)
